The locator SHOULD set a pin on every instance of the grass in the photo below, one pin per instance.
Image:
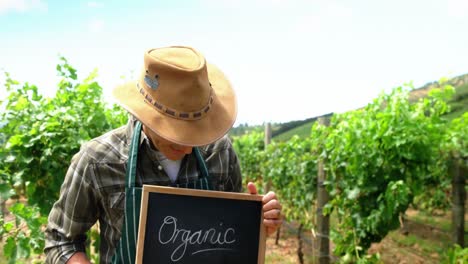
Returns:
(303, 131)
(459, 103)
(443, 224)
(424, 218)
(425, 248)
(428, 240)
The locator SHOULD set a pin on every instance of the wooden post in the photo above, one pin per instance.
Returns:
(267, 141)
(267, 134)
(268, 184)
(300, 254)
(323, 221)
(458, 201)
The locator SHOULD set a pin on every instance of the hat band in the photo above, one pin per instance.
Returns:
(196, 115)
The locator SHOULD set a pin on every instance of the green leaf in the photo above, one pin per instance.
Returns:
(23, 247)
(9, 249)
(8, 226)
(10, 159)
(353, 194)
(21, 210)
(6, 192)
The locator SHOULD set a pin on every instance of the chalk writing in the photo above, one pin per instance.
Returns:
(217, 240)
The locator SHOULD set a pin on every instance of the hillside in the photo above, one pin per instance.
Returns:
(284, 131)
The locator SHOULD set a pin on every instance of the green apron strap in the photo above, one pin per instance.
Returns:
(204, 171)
(132, 206)
(125, 252)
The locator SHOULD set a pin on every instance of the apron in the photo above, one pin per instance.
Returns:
(126, 249)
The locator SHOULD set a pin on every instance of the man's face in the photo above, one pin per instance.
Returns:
(171, 150)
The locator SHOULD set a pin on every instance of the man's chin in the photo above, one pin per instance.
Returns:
(175, 157)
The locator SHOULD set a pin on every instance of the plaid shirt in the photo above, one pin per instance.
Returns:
(94, 189)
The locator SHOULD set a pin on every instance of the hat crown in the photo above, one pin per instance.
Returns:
(180, 97)
(177, 79)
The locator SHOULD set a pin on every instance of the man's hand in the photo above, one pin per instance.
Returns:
(271, 210)
(78, 258)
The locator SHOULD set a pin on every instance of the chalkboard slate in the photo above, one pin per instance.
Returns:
(192, 226)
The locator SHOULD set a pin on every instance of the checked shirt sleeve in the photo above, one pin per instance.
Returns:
(74, 213)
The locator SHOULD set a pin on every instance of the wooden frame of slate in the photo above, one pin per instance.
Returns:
(187, 226)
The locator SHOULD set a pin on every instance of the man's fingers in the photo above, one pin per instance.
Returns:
(252, 188)
(272, 214)
(270, 231)
(272, 204)
(273, 223)
(272, 219)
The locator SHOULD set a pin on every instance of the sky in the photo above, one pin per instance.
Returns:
(286, 59)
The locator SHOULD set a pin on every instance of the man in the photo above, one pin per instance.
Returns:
(181, 109)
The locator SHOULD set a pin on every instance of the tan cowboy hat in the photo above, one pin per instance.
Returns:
(180, 97)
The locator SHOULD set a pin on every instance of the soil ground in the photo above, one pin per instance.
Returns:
(424, 239)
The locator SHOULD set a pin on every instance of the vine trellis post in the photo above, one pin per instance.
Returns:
(268, 184)
(458, 173)
(267, 142)
(323, 221)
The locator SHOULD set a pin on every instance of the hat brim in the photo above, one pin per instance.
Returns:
(214, 125)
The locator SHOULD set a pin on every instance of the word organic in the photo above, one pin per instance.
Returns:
(212, 239)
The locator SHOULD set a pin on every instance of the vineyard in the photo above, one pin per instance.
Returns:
(370, 165)
(378, 161)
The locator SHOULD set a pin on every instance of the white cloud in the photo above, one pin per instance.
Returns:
(457, 8)
(242, 4)
(326, 17)
(96, 25)
(93, 4)
(21, 5)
